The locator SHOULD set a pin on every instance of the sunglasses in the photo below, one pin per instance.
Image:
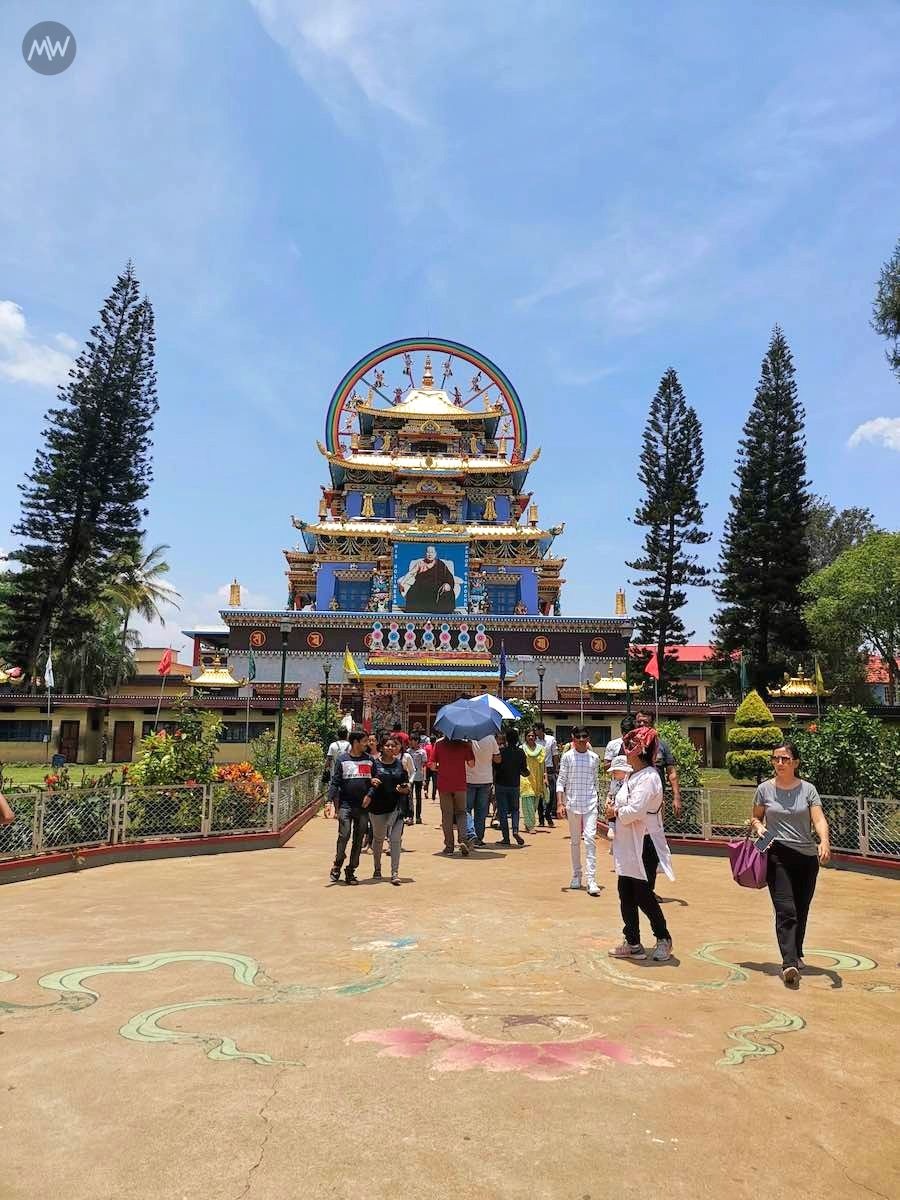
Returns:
(781, 758)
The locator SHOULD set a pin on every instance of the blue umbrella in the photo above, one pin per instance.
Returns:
(467, 720)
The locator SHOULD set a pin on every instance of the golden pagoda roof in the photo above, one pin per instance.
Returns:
(216, 676)
(426, 464)
(419, 529)
(610, 683)
(431, 403)
(795, 686)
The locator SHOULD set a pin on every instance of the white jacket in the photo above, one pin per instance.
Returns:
(639, 804)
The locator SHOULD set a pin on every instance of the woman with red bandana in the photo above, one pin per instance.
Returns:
(635, 810)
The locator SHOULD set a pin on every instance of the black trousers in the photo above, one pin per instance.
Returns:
(431, 777)
(791, 877)
(635, 897)
(650, 859)
(547, 808)
(417, 796)
(352, 824)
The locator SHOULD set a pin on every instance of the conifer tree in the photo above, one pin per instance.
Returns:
(671, 513)
(765, 555)
(81, 503)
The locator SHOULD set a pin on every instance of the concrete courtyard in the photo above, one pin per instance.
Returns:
(236, 1026)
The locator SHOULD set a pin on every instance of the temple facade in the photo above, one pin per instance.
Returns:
(427, 559)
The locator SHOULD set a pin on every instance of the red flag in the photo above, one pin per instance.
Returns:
(652, 667)
(165, 663)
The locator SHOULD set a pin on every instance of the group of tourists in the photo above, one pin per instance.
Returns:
(376, 787)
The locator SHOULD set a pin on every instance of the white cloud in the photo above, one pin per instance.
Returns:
(344, 46)
(197, 611)
(883, 430)
(26, 359)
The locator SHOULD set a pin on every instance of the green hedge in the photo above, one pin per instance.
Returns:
(760, 738)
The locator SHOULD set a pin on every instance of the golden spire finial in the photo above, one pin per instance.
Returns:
(427, 377)
(620, 602)
(234, 594)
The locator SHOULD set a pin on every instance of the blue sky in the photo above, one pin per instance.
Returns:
(588, 193)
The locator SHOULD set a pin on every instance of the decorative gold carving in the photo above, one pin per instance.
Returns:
(234, 594)
(620, 602)
(368, 505)
(490, 509)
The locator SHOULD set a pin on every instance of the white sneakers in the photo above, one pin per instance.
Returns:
(575, 886)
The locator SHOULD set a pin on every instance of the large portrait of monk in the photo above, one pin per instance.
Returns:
(429, 583)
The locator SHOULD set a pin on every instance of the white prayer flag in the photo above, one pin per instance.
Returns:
(580, 660)
(48, 671)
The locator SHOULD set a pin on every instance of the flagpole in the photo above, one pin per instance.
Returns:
(159, 701)
(247, 724)
(819, 677)
(656, 698)
(49, 698)
(580, 683)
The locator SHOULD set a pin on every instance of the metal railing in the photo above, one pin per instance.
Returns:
(858, 824)
(66, 819)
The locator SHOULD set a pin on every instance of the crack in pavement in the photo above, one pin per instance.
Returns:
(856, 1182)
(263, 1115)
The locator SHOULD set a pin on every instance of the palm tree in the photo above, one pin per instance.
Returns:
(137, 586)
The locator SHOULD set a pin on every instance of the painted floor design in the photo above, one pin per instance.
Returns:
(487, 1035)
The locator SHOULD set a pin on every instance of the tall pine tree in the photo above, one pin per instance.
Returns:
(671, 512)
(81, 503)
(765, 555)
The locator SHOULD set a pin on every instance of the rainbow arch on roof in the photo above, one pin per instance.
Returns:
(432, 346)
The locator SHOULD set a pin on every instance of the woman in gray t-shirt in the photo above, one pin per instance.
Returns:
(789, 809)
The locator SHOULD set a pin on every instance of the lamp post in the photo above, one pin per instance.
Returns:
(627, 684)
(285, 633)
(326, 670)
(540, 671)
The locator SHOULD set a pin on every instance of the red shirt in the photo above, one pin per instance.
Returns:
(450, 758)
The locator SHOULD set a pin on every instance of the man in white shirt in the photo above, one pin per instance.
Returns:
(479, 779)
(614, 747)
(576, 796)
(339, 746)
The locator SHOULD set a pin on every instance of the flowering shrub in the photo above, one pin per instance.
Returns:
(244, 781)
(184, 756)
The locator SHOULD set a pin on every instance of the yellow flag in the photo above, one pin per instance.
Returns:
(820, 682)
(350, 666)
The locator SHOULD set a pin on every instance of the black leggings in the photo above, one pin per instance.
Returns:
(636, 895)
(417, 797)
(791, 877)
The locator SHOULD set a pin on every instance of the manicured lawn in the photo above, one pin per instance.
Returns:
(32, 774)
(730, 800)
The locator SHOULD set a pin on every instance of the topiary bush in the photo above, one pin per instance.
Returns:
(752, 739)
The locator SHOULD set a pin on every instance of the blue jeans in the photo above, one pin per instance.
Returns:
(477, 797)
(507, 806)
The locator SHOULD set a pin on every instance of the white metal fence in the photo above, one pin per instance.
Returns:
(66, 819)
(858, 824)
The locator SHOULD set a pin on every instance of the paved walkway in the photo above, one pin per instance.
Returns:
(235, 1026)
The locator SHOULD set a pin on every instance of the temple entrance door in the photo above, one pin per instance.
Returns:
(422, 713)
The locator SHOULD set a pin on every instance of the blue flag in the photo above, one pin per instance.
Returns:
(502, 662)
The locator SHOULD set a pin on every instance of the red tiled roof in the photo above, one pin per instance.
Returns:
(876, 669)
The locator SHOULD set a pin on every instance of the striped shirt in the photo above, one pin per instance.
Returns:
(577, 780)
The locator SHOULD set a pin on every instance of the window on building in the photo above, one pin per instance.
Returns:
(22, 731)
(503, 597)
(236, 731)
(690, 692)
(148, 727)
(353, 594)
(427, 508)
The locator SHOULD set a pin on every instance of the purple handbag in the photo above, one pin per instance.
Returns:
(748, 865)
